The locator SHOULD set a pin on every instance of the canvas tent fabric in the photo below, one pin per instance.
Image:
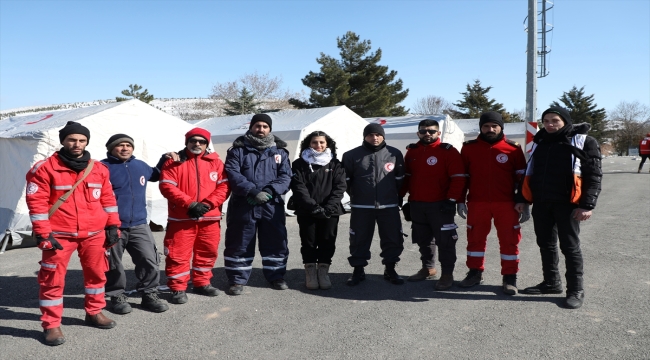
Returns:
(24, 140)
(513, 131)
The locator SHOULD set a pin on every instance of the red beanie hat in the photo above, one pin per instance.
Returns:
(198, 132)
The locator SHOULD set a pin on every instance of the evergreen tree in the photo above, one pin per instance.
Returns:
(583, 109)
(356, 80)
(476, 102)
(134, 92)
(244, 104)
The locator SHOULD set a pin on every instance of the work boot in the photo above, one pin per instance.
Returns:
(279, 284)
(391, 275)
(358, 275)
(423, 274)
(178, 297)
(510, 284)
(311, 276)
(445, 282)
(474, 277)
(153, 303)
(323, 276)
(236, 289)
(544, 288)
(207, 290)
(120, 304)
(100, 321)
(574, 299)
(54, 336)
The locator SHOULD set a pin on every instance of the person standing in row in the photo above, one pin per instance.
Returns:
(259, 172)
(644, 150)
(72, 207)
(374, 174)
(318, 185)
(434, 179)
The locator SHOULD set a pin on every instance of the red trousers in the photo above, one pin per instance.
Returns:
(181, 240)
(479, 224)
(51, 277)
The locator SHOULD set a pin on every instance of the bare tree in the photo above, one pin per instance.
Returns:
(630, 121)
(268, 90)
(431, 105)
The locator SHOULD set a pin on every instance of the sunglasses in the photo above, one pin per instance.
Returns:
(198, 141)
(431, 132)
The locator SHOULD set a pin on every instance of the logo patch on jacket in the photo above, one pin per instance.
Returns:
(214, 176)
(502, 158)
(389, 167)
(97, 193)
(432, 160)
(32, 188)
(142, 181)
(278, 158)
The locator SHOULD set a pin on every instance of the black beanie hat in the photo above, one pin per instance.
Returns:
(73, 128)
(373, 129)
(263, 118)
(114, 140)
(491, 116)
(564, 114)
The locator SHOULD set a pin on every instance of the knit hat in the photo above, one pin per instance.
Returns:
(564, 114)
(198, 132)
(73, 128)
(261, 117)
(373, 129)
(116, 139)
(491, 116)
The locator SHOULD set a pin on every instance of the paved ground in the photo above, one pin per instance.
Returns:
(376, 320)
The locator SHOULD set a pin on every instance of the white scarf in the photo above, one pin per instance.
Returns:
(312, 156)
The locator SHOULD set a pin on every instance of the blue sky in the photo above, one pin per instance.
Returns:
(65, 51)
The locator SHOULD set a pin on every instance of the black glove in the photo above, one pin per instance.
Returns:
(197, 209)
(406, 210)
(448, 207)
(112, 236)
(319, 213)
(48, 244)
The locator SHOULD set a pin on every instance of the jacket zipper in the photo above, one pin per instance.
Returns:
(198, 179)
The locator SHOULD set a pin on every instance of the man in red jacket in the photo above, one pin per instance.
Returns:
(434, 179)
(86, 221)
(195, 188)
(644, 150)
(495, 165)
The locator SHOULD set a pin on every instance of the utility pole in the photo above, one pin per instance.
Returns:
(531, 54)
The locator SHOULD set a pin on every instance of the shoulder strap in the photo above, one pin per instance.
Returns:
(65, 196)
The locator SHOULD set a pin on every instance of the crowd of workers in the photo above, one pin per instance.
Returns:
(99, 209)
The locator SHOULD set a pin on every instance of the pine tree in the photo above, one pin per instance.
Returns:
(583, 109)
(244, 104)
(134, 92)
(476, 102)
(356, 80)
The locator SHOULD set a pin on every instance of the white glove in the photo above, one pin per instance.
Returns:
(462, 210)
(525, 215)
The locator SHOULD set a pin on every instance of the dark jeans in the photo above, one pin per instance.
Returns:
(431, 228)
(553, 221)
(643, 158)
(317, 237)
(362, 229)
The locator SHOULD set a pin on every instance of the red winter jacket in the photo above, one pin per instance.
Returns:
(494, 169)
(433, 172)
(89, 209)
(197, 178)
(644, 145)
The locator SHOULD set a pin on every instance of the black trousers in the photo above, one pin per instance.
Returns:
(362, 229)
(553, 221)
(643, 159)
(317, 238)
(431, 228)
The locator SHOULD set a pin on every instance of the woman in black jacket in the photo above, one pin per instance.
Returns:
(318, 184)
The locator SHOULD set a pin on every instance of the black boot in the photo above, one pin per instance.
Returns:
(391, 275)
(545, 287)
(358, 275)
(152, 302)
(574, 299)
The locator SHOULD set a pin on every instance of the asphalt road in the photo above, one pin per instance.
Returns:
(375, 320)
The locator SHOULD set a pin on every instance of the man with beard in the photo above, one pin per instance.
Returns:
(374, 174)
(434, 179)
(72, 207)
(495, 165)
(195, 187)
(259, 172)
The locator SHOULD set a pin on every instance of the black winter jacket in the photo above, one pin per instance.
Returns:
(324, 186)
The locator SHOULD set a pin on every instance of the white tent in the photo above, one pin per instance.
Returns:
(401, 130)
(514, 131)
(24, 140)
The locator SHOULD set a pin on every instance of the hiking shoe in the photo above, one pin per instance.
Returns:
(179, 297)
(446, 282)
(358, 275)
(574, 299)
(54, 336)
(544, 288)
(423, 274)
(236, 289)
(391, 275)
(323, 276)
(311, 276)
(207, 290)
(120, 304)
(279, 284)
(153, 303)
(100, 321)
(474, 277)
(510, 284)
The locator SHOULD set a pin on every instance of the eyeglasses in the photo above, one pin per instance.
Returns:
(431, 132)
(198, 141)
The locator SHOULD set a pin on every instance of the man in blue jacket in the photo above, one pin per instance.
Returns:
(129, 178)
(259, 172)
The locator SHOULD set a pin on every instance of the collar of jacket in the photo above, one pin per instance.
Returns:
(114, 160)
(239, 142)
(208, 156)
(435, 143)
